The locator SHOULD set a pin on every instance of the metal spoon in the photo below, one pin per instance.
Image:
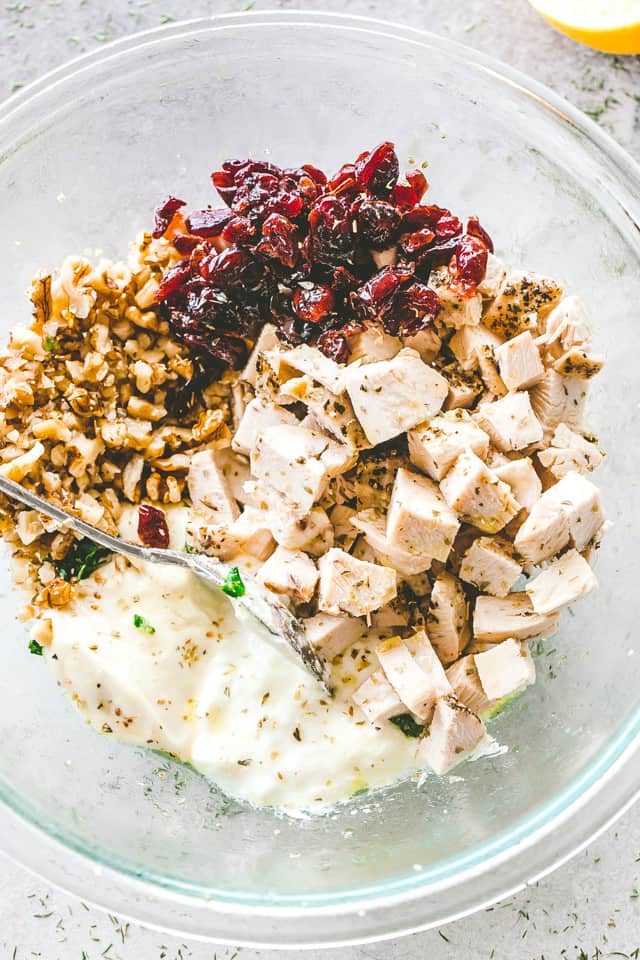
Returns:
(262, 605)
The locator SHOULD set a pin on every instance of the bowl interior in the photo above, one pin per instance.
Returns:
(81, 167)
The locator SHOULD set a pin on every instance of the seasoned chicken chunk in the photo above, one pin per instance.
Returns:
(331, 635)
(569, 452)
(267, 340)
(474, 491)
(464, 387)
(448, 618)
(510, 422)
(463, 677)
(333, 412)
(258, 416)
(580, 501)
(519, 362)
(455, 732)
(209, 490)
(313, 533)
(455, 311)
(435, 446)
(521, 476)
(373, 525)
(291, 572)
(491, 283)
(500, 618)
(375, 475)
(557, 399)
(412, 668)
(580, 363)
(311, 361)
(505, 669)
(287, 460)
(467, 343)
(377, 699)
(565, 580)
(426, 342)
(567, 326)
(250, 533)
(523, 301)
(349, 585)
(418, 518)
(490, 566)
(372, 344)
(392, 396)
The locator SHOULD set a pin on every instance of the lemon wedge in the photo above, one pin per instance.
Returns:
(609, 25)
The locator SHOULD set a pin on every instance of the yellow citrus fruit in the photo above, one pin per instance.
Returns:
(609, 25)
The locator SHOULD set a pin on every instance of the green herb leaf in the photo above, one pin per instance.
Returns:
(143, 624)
(81, 560)
(406, 723)
(35, 648)
(233, 584)
(50, 344)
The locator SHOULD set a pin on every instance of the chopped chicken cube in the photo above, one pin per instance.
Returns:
(463, 677)
(519, 362)
(569, 452)
(258, 416)
(290, 572)
(579, 363)
(414, 671)
(455, 311)
(499, 618)
(557, 399)
(426, 342)
(331, 636)
(488, 369)
(510, 422)
(333, 412)
(235, 470)
(392, 616)
(464, 387)
(377, 699)
(313, 533)
(373, 524)
(338, 457)
(524, 299)
(565, 580)
(567, 325)
(435, 446)
(448, 618)
(372, 344)
(466, 344)
(569, 510)
(455, 732)
(349, 585)
(309, 360)
(505, 669)
(491, 283)
(521, 476)
(544, 533)
(287, 460)
(249, 533)
(489, 565)
(272, 373)
(267, 340)
(391, 396)
(419, 519)
(375, 475)
(209, 489)
(473, 490)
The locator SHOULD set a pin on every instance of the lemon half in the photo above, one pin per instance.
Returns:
(609, 25)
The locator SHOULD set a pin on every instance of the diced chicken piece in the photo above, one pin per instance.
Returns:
(491, 284)
(577, 502)
(569, 452)
(313, 533)
(567, 326)
(338, 457)
(414, 671)
(510, 422)
(455, 732)
(544, 533)
(372, 524)
(488, 370)
(272, 373)
(258, 416)
(463, 677)
(505, 669)
(489, 565)
(419, 519)
(392, 396)
(290, 572)
(580, 363)
(267, 340)
(455, 311)
(519, 362)
(448, 618)
(333, 412)
(564, 581)
(249, 533)
(524, 299)
(426, 342)
(521, 476)
(557, 399)
(473, 490)
(467, 342)
(235, 470)
(435, 446)
(287, 459)
(499, 618)
(209, 490)
(344, 532)
(393, 616)
(377, 699)
(464, 387)
(372, 344)
(349, 585)
(311, 361)
(385, 258)
(332, 635)
(375, 475)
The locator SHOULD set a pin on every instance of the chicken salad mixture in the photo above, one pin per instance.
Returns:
(343, 392)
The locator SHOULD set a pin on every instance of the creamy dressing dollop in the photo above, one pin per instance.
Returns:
(212, 689)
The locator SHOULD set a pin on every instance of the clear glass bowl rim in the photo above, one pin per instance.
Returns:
(517, 857)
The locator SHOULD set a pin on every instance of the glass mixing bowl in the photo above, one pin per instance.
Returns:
(84, 155)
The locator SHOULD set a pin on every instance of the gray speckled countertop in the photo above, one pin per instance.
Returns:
(589, 908)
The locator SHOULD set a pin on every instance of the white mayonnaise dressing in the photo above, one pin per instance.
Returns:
(213, 690)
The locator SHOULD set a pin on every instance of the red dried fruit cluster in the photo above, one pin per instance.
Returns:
(152, 526)
(294, 248)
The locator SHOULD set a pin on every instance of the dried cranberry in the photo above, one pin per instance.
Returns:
(404, 196)
(184, 243)
(164, 214)
(422, 215)
(448, 226)
(330, 237)
(279, 240)
(208, 223)
(377, 171)
(173, 280)
(224, 183)
(227, 267)
(475, 228)
(435, 255)
(152, 526)
(231, 351)
(313, 301)
(316, 175)
(413, 243)
(414, 308)
(469, 263)
(239, 230)
(334, 345)
(374, 298)
(378, 222)
(344, 181)
(418, 183)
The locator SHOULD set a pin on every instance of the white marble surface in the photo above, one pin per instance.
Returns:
(590, 909)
